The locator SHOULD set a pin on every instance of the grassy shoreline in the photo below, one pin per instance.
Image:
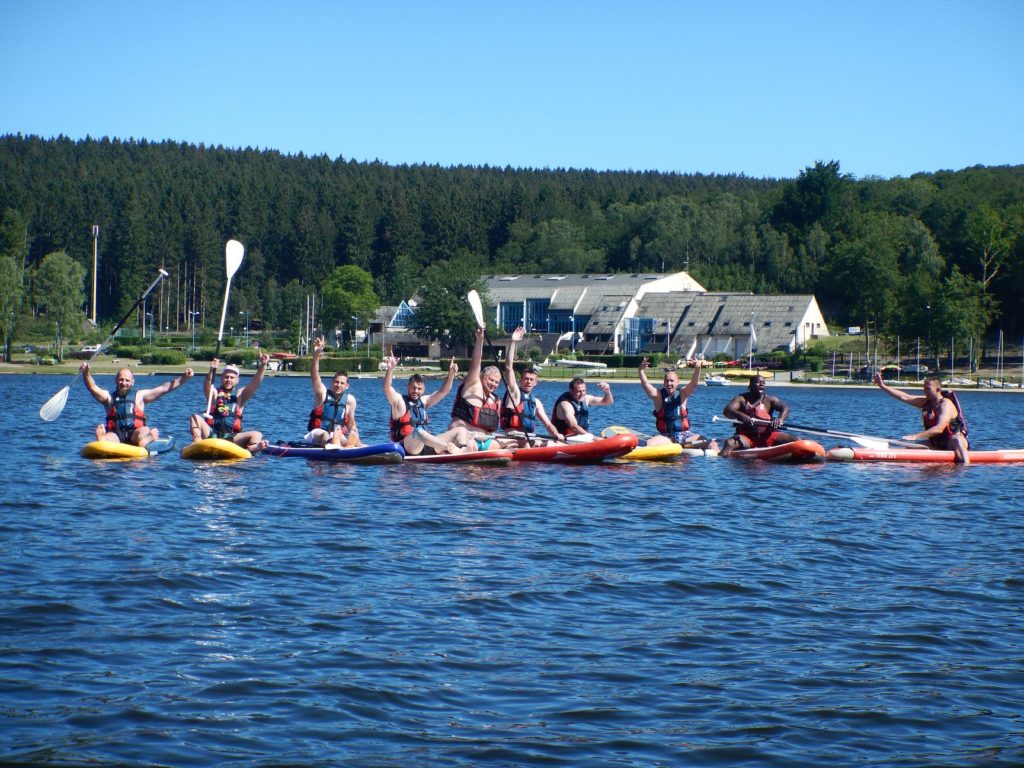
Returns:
(105, 365)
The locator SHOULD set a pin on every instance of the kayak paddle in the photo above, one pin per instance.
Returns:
(53, 407)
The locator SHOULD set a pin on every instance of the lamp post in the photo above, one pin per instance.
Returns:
(247, 313)
(150, 316)
(95, 251)
(355, 341)
(928, 309)
(193, 314)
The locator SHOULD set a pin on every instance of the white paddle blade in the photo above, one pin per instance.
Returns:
(52, 408)
(478, 309)
(870, 442)
(234, 252)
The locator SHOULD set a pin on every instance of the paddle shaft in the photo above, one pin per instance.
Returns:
(871, 440)
(53, 407)
(229, 257)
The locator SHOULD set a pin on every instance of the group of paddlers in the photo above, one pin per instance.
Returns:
(480, 419)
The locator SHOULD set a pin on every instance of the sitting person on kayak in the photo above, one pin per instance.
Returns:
(126, 418)
(944, 426)
(477, 407)
(332, 422)
(228, 403)
(671, 417)
(571, 414)
(409, 420)
(521, 409)
(759, 415)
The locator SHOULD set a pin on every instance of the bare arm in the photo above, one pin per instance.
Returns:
(319, 390)
(250, 389)
(947, 411)
(605, 387)
(208, 379)
(898, 394)
(350, 411)
(542, 417)
(647, 387)
(99, 395)
(442, 393)
(734, 410)
(473, 374)
(149, 395)
(691, 387)
(510, 369)
(394, 399)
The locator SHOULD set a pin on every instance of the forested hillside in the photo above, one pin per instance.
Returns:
(942, 247)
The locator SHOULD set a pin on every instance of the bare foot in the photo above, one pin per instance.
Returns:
(101, 432)
(259, 446)
(453, 448)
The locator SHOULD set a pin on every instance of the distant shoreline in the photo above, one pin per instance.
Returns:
(738, 384)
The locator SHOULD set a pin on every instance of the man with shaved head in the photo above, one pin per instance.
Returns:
(126, 418)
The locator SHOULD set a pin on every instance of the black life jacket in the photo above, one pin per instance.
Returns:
(580, 409)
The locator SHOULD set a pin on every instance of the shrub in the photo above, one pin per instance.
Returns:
(163, 357)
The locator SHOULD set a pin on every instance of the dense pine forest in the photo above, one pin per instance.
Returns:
(934, 254)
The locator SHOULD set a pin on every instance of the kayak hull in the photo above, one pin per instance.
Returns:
(107, 450)
(214, 449)
(593, 452)
(925, 456)
(496, 458)
(797, 452)
(663, 452)
(380, 453)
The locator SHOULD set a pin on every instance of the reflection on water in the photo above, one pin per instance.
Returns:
(707, 611)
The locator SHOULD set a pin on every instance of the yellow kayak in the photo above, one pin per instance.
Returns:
(214, 449)
(107, 449)
(663, 452)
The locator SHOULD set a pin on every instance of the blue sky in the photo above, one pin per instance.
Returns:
(887, 88)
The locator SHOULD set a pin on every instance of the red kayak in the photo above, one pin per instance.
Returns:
(490, 458)
(924, 455)
(578, 453)
(797, 452)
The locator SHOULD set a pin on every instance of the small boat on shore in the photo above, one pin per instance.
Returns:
(716, 380)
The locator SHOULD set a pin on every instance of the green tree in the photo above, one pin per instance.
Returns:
(443, 313)
(989, 237)
(964, 312)
(348, 293)
(61, 286)
(10, 301)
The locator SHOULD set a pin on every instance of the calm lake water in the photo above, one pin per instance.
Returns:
(709, 612)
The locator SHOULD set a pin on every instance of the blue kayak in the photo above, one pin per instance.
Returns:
(381, 453)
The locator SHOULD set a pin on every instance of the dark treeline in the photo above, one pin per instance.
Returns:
(941, 248)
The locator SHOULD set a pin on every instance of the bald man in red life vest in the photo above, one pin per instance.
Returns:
(126, 418)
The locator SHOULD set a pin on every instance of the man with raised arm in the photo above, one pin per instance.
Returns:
(759, 418)
(126, 418)
(944, 426)
(333, 418)
(225, 417)
(409, 420)
(521, 409)
(477, 407)
(671, 416)
(571, 414)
